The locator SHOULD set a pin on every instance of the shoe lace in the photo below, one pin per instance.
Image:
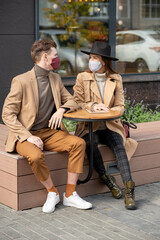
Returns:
(109, 182)
(130, 192)
(79, 198)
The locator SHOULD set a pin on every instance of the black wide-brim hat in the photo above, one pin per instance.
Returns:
(101, 48)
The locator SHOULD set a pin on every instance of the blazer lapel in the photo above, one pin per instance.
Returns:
(109, 91)
(35, 89)
(93, 84)
(95, 89)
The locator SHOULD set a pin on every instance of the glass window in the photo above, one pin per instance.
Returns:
(73, 25)
(123, 9)
(150, 8)
(138, 36)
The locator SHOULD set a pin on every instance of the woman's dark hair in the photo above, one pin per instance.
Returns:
(108, 65)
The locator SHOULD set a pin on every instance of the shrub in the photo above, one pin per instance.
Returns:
(138, 112)
(70, 125)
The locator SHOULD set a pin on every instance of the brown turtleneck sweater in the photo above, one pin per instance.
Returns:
(46, 101)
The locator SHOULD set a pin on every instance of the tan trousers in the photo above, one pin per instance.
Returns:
(54, 141)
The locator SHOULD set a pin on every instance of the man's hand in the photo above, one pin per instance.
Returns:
(37, 141)
(56, 119)
(100, 107)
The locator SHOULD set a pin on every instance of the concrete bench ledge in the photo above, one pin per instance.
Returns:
(20, 190)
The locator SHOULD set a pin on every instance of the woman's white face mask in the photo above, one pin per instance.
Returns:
(94, 65)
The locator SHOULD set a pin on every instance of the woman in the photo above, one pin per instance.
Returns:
(100, 88)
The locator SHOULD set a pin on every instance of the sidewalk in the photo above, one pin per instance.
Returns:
(107, 220)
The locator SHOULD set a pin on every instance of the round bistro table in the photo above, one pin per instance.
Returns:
(83, 115)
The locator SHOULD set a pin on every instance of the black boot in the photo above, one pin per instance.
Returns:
(110, 181)
(129, 195)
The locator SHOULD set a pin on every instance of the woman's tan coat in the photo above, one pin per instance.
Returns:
(86, 93)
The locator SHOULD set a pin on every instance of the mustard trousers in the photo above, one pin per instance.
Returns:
(54, 141)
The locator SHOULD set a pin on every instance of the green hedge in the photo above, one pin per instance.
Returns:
(138, 112)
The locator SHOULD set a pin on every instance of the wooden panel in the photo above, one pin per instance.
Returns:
(37, 198)
(147, 147)
(57, 161)
(4, 127)
(8, 198)
(20, 166)
(93, 187)
(8, 164)
(145, 162)
(140, 178)
(31, 199)
(2, 148)
(2, 140)
(29, 182)
(11, 155)
(106, 153)
(8, 181)
(147, 130)
(23, 167)
(146, 176)
(145, 166)
(53, 160)
(144, 148)
(4, 133)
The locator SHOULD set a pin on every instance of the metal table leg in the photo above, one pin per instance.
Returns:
(91, 156)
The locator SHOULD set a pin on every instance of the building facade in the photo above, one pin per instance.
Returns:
(131, 27)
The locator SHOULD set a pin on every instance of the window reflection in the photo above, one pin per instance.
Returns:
(138, 39)
(90, 24)
(150, 8)
(72, 60)
(137, 35)
(140, 47)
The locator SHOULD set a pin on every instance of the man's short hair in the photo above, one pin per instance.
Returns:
(41, 46)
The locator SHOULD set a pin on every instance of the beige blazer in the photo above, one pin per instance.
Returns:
(86, 93)
(21, 105)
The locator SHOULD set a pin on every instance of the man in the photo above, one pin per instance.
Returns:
(33, 111)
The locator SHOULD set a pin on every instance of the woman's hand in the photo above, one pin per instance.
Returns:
(56, 118)
(100, 107)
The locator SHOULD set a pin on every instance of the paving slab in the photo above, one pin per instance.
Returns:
(107, 220)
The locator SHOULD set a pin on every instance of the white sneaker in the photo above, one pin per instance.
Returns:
(76, 201)
(52, 200)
